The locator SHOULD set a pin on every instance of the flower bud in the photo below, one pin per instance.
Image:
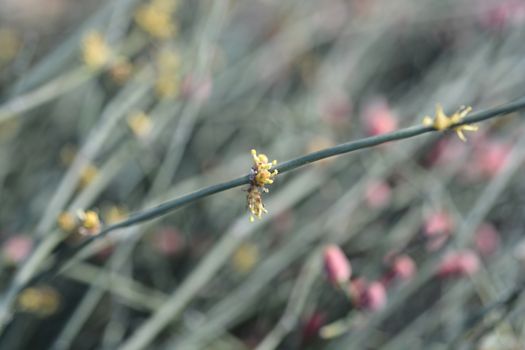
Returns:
(459, 264)
(374, 298)
(367, 296)
(403, 267)
(17, 248)
(437, 228)
(336, 264)
(379, 118)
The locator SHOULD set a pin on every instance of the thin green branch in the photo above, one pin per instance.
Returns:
(51, 90)
(393, 136)
(292, 164)
(176, 203)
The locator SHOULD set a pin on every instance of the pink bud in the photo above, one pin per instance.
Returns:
(17, 248)
(168, 241)
(487, 239)
(377, 194)
(459, 264)
(374, 298)
(438, 223)
(337, 266)
(403, 267)
(379, 118)
(437, 227)
(367, 296)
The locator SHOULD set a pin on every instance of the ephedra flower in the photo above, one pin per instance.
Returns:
(95, 50)
(442, 122)
(260, 177)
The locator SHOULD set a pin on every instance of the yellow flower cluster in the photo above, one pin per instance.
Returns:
(261, 170)
(43, 301)
(443, 122)
(245, 257)
(95, 50)
(168, 80)
(261, 175)
(140, 124)
(155, 18)
(84, 223)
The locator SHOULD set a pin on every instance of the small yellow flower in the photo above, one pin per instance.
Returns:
(140, 124)
(167, 87)
(260, 177)
(261, 170)
(43, 301)
(89, 222)
(168, 65)
(245, 258)
(88, 174)
(83, 223)
(155, 18)
(443, 122)
(67, 222)
(95, 51)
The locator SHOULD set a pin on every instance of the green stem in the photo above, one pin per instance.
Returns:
(292, 164)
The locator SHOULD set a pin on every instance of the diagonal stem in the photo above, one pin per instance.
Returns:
(292, 164)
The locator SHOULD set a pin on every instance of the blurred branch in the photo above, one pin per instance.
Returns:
(45, 93)
(506, 303)
(296, 303)
(133, 293)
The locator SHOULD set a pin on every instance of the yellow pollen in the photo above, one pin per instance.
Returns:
(443, 122)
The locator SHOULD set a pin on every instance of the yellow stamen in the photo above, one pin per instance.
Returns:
(443, 122)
